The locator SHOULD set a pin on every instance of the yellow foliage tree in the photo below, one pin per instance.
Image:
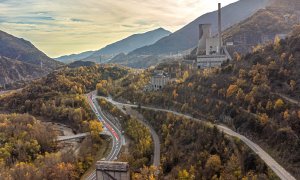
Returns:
(183, 174)
(175, 95)
(232, 89)
(213, 163)
(279, 104)
(263, 118)
(95, 128)
(286, 115)
(147, 173)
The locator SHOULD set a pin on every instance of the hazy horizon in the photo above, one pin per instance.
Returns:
(61, 28)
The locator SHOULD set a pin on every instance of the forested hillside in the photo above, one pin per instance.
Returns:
(192, 150)
(183, 155)
(60, 95)
(256, 95)
(28, 149)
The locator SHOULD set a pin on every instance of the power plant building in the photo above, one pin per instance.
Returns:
(211, 52)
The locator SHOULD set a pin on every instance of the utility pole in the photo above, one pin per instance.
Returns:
(100, 59)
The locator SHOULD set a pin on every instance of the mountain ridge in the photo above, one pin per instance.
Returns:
(20, 60)
(74, 57)
(188, 35)
(125, 45)
(23, 50)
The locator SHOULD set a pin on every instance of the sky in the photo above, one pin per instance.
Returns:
(60, 27)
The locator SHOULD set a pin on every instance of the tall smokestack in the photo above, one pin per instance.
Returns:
(220, 27)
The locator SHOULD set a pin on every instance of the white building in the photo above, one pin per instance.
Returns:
(159, 80)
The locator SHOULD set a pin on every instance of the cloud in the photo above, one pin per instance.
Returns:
(79, 20)
(64, 27)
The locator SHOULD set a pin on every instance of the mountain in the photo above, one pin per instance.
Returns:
(187, 37)
(13, 70)
(74, 57)
(22, 50)
(129, 44)
(262, 27)
(79, 63)
(135, 61)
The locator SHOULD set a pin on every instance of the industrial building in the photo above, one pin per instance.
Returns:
(159, 79)
(110, 170)
(211, 52)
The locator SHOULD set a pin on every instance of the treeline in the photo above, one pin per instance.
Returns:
(191, 150)
(140, 143)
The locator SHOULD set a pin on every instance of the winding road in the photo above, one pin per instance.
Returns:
(114, 132)
(277, 168)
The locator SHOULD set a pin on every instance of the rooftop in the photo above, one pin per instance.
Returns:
(112, 166)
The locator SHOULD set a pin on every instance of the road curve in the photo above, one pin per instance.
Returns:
(277, 168)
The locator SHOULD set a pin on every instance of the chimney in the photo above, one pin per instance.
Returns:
(220, 27)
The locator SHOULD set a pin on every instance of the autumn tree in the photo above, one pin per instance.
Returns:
(232, 170)
(286, 115)
(147, 173)
(175, 95)
(101, 88)
(279, 104)
(183, 174)
(25, 171)
(213, 165)
(263, 118)
(232, 89)
(95, 128)
(293, 85)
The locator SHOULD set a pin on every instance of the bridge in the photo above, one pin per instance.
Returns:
(78, 136)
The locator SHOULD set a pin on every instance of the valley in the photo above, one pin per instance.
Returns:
(215, 99)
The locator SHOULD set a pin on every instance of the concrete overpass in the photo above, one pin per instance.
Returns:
(78, 136)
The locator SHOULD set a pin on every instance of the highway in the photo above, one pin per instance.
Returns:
(277, 168)
(117, 137)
